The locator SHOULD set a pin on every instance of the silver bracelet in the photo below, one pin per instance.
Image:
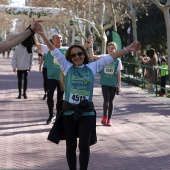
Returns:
(126, 50)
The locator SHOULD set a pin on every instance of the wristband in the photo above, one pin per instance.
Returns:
(126, 50)
(31, 30)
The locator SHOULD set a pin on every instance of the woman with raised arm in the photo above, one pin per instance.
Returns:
(79, 114)
(110, 81)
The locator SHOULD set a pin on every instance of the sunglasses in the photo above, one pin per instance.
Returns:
(80, 53)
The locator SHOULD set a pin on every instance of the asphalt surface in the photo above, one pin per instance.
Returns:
(139, 138)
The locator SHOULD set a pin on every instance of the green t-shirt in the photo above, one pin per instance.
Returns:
(165, 71)
(108, 75)
(45, 62)
(79, 86)
(53, 69)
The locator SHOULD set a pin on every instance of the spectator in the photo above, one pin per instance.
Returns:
(22, 62)
(8, 52)
(164, 73)
(152, 77)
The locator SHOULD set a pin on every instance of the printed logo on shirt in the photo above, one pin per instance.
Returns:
(85, 81)
(79, 88)
(55, 64)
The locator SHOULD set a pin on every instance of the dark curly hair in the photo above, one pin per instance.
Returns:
(152, 52)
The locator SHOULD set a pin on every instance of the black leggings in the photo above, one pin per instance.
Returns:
(84, 128)
(51, 86)
(22, 74)
(45, 79)
(108, 96)
(163, 84)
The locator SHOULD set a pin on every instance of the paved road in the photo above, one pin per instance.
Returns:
(138, 140)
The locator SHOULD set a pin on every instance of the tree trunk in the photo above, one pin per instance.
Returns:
(167, 22)
(104, 41)
(133, 17)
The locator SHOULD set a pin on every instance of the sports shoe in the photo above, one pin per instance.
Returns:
(25, 96)
(109, 122)
(51, 120)
(19, 96)
(104, 120)
(162, 94)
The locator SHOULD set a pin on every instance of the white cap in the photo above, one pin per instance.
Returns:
(53, 32)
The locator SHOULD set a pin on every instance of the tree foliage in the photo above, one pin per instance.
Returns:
(151, 28)
(99, 16)
(5, 23)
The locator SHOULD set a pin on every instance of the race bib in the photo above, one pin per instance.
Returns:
(76, 96)
(109, 71)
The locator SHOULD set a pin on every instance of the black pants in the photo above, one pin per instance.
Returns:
(108, 96)
(22, 74)
(83, 127)
(163, 84)
(51, 86)
(45, 79)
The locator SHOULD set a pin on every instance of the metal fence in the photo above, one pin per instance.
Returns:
(136, 73)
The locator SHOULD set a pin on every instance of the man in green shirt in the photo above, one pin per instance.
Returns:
(53, 74)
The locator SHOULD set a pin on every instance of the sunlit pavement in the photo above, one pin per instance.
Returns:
(137, 140)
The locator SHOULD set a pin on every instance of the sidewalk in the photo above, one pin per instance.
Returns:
(163, 100)
(138, 140)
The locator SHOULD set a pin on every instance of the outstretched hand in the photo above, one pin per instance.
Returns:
(90, 39)
(39, 28)
(34, 24)
(140, 57)
(135, 46)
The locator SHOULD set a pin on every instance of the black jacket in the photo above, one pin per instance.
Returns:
(57, 132)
